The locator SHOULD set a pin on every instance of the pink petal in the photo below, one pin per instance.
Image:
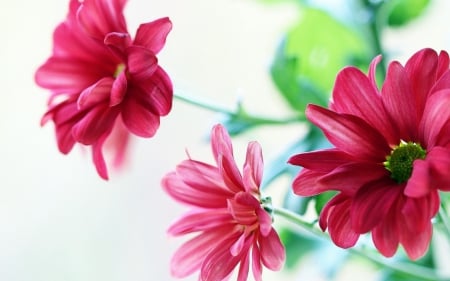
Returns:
(244, 268)
(142, 63)
(306, 183)
(64, 137)
(443, 64)
(439, 159)
(415, 243)
(95, 94)
(419, 184)
(419, 211)
(99, 18)
(118, 43)
(329, 208)
(203, 177)
(355, 94)
(253, 167)
(322, 160)
(350, 177)
(421, 69)
(436, 115)
(97, 122)
(200, 220)
(118, 89)
(184, 193)
(139, 119)
(349, 133)
(97, 156)
(256, 262)
(243, 208)
(396, 90)
(272, 251)
(153, 35)
(265, 221)
(118, 142)
(340, 225)
(373, 71)
(371, 204)
(221, 142)
(238, 246)
(385, 236)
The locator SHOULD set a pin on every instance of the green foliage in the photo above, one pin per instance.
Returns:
(297, 246)
(402, 12)
(310, 56)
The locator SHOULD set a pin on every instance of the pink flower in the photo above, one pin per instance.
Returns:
(391, 155)
(105, 85)
(227, 216)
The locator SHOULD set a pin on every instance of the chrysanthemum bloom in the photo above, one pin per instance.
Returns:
(104, 85)
(391, 154)
(230, 224)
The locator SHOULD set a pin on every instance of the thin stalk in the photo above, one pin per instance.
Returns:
(243, 115)
(419, 272)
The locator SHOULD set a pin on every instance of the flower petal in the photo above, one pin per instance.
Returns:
(349, 133)
(197, 220)
(99, 160)
(139, 119)
(414, 243)
(435, 117)
(395, 91)
(153, 35)
(95, 94)
(322, 160)
(94, 124)
(306, 183)
(118, 89)
(439, 159)
(142, 63)
(253, 168)
(272, 250)
(419, 184)
(385, 236)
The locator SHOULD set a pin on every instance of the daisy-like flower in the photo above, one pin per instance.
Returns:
(104, 84)
(229, 223)
(391, 154)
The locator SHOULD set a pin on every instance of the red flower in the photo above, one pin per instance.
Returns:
(104, 84)
(391, 155)
(231, 225)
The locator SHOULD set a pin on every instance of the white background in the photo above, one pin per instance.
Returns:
(58, 219)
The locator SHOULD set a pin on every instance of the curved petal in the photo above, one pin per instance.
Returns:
(256, 262)
(415, 243)
(355, 94)
(118, 89)
(97, 157)
(95, 94)
(395, 91)
(349, 133)
(385, 236)
(139, 119)
(272, 250)
(443, 64)
(421, 69)
(100, 17)
(153, 35)
(306, 183)
(253, 167)
(372, 71)
(372, 202)
(244, 267)
(435, 117)
(439, 161)
(141, 63)
(350, 177)
(200, 220)
(321, 160)
(340, 225)
(419, 184)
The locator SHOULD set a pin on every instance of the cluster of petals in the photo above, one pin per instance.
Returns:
(228, 224)
(104, 84)
(365, 124)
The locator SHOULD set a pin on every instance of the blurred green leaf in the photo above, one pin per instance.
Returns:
(322, 199)
(297, 246)
(310, 56)
(402, 12)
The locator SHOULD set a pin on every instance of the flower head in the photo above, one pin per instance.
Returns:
(104, 84)
(391, 154)
(230, 224)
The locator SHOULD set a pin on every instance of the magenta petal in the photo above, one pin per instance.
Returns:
(415, 243)
(321, 160)
(142, 63)
(443, 64)
(253, 167)
(95, 94)
(340, 225)
(196, 220)
(439, 159)
(373, 71)
(396, 90)
(219, 263)
(272, 250)
(139, 119)
(372, 203)
(118, 89)
(306, 183)
(436, 115)
(244, 268)
(349, 133)
(385, 236)
(97, 122)
(419, 184)
(256, 263)
(118, 43)
(153, 35)
(355, 94)
(98, 158)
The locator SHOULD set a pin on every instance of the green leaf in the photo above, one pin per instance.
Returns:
(322, 199)
(402, 12)
(297, 246)
(310, 56)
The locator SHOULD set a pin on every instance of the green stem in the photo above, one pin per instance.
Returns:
(259, 120)
(419, 272)
(443, 216)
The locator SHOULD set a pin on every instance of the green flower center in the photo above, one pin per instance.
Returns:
(400, 161)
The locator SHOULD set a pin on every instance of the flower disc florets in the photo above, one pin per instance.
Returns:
(400, 161)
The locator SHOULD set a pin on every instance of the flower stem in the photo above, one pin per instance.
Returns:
(239, 113)
(416, 271)
(443, 216)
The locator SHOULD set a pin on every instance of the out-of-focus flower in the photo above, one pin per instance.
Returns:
(391, 155)
(104, 84)
(231, 225)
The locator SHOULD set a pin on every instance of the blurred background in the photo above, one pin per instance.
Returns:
(60, 221)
